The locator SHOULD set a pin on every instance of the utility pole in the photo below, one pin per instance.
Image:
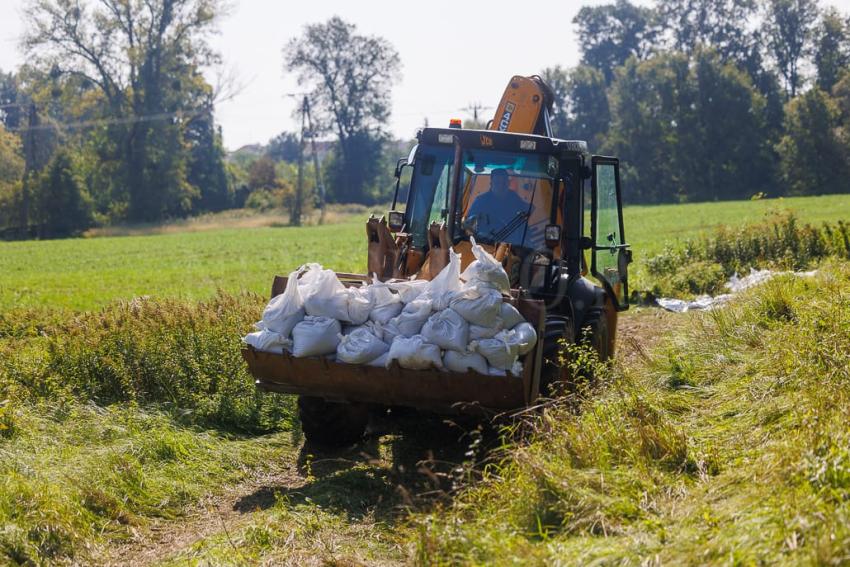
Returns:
(474, 107)
(295, 213)
(320, 188)
(29, 167)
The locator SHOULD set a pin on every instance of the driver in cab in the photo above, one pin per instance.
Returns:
(494, 210)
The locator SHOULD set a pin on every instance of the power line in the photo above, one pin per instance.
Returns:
(53, 125)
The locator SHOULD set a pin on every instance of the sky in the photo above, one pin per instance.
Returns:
(454, 53)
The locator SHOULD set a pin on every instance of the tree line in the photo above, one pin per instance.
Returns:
(712, 99)
(111, 119)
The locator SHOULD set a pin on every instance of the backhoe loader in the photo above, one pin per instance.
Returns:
(522, 194)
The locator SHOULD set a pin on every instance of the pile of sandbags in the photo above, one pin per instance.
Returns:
(455, 322)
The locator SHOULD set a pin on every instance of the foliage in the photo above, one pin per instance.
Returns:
(814, 156)
(63, 207)
(666, 132)
(612, 33)
(728, 443)
(143, 60)
(832, 52)
(283, 147)
(790, 30)
(715, 24)
(350, 76)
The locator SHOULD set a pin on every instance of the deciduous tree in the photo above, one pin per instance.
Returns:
(141, 55)
(350, 77)
(790, 25)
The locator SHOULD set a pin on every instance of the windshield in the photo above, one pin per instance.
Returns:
(505, 196)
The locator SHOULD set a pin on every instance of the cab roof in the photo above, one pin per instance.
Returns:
(503, 141)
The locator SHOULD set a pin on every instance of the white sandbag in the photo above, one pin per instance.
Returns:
(442, 288)
(510, 316)
(526, 337)
(323, 293)
(267, 341)
(446, 329)
(408, 323)
(360, 346)
(315, 336)
(478, 306)
(361, 302)
(477, 332)
(381, 361)
(386, 303)
(492, 371)
(414, 353)
(286, 310)
(485, 271)
(501, 351)
(375, 328)
(455, 361)
(408, 290)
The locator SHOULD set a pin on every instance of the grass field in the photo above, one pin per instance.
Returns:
(88, 273)
(131, 433)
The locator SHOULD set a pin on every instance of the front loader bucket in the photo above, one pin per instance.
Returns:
(433, 390)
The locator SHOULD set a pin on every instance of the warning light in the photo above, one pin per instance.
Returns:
(455, 123)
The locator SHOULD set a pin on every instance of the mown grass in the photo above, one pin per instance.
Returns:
(730, 445)
(77, 477)
(89, 273)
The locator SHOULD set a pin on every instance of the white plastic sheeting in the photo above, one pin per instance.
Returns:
(735, 285)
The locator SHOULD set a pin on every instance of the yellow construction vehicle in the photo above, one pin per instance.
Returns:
(522, 194)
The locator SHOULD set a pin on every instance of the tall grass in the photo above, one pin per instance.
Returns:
(182, 357)
(730, 445)
(702, 265)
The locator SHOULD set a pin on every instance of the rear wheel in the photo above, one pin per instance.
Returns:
(597, 333)
(558, 332)
(332, 424)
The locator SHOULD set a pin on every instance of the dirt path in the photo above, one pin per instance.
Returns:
(221, 513)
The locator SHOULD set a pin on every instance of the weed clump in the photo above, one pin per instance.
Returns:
(703, 265)
(182, 357)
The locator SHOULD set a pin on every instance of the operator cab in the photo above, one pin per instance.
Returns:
(517, 192)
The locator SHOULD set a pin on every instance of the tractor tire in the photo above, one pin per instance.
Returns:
(596, 333)
(557, 329)
(332, 424)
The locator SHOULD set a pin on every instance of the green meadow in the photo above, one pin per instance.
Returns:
(82, 274)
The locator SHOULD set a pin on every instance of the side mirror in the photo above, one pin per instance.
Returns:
(399, 166)
(552, 235)
(395, 221)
